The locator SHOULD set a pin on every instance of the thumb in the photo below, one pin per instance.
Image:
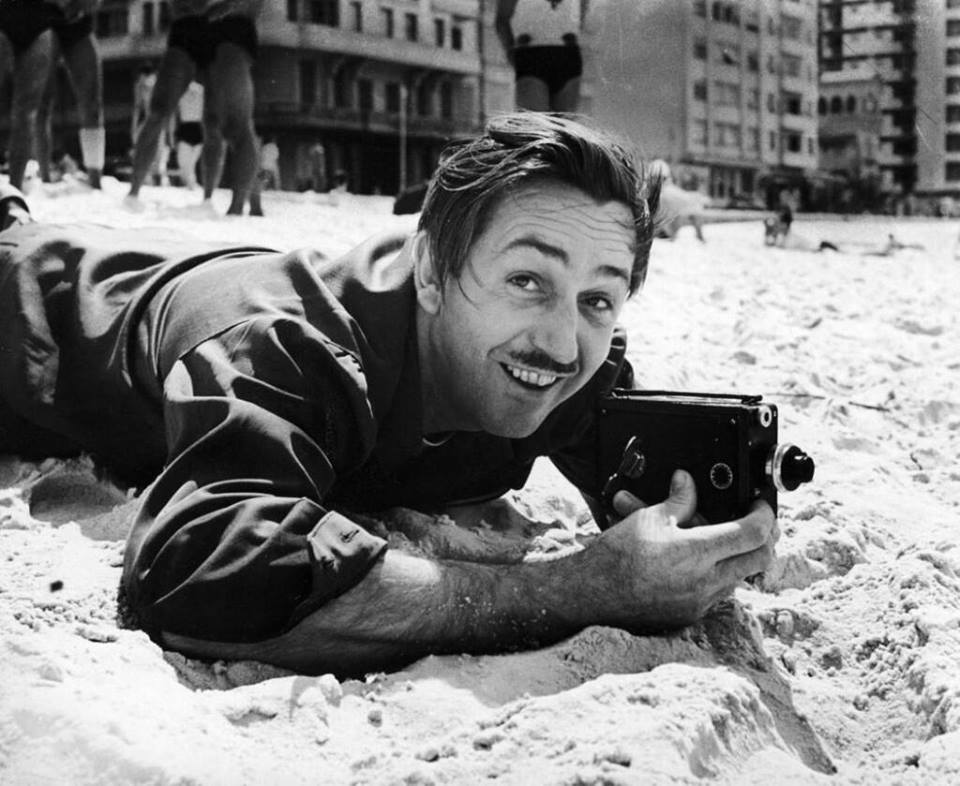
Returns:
(682, 502)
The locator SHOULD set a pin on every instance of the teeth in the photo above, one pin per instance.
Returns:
(531, 377)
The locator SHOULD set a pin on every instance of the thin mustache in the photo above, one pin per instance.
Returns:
(542, 362)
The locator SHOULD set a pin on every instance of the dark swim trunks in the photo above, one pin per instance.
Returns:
(23, 21)
(70, 33)
(200, 38)
(190, 133)
(554, 65)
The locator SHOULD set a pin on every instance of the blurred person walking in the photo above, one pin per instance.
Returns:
(76, 44)
(270, 164)
(142, 93)
(215, 40)
(189, 134)
(26, 33)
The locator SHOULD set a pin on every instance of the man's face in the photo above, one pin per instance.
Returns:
(530, 319)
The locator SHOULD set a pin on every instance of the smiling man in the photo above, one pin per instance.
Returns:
(278, 397)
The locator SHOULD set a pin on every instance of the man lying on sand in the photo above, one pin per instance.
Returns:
(270, 394)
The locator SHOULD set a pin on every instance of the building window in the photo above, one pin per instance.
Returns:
(753, 99)
(953, 57)
(753, 62)
(953, 27)
(357, 16)
(388, 30)
(308, 82)
(953, 3)
(851, 105)
(700, 8)
(726, 94)
(164, 22)
(728, 54)
(836, 105)
(699, 132)
(700, 90)
(325, 12)
(456, 38)
(113, 21)
(439, 32)
(365, 94)
(792, 103)
(792, 65)
(726, 134)
(792, 27)
(700, 49)
(424, 100)
(822, 106)
(773, 140)
(293, 10)
(410, 27)
(953, 113)
(393, 97)
(952, 170)
(342, 94)
(793, 142)
(446, 100)
(953, 143)
(953, 85)
(148, 25)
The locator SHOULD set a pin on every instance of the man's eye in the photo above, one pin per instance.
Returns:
(599, 303)
(525, 282)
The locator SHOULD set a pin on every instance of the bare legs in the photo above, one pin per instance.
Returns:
(31, 70)
(533, 94)
(83, 65)
(229, 96)
(176, 72)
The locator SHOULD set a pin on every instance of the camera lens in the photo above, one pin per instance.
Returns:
(788, 467)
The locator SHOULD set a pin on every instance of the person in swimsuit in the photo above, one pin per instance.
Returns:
(541, 40)
(217, 42)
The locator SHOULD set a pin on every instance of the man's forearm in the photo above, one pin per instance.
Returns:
(407, 607)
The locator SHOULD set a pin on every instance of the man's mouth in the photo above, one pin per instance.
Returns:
(533, 380)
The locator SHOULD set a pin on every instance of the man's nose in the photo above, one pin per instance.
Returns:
(555, 331)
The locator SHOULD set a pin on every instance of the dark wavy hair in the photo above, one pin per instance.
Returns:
(475, 174)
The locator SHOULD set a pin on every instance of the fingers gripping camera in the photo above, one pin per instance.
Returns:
(727, 442)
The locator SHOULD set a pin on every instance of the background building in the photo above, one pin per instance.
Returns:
(725, 91)
(913, 49)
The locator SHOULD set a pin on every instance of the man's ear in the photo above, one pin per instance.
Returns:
(429, 288)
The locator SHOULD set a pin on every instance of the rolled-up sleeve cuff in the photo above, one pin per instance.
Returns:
(341, 554)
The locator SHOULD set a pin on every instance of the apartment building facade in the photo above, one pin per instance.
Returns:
(912, 49)
(381, 84)
(725, 91)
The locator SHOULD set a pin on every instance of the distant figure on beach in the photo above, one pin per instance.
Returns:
(269, 164)
(318, 167)
(677, 205)
(189, 133)
(214, 41)
(77, 47)
(28, 39)
(541, 39)
(142, 92)
(274, 404)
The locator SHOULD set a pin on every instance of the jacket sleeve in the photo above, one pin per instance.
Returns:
(232, 541)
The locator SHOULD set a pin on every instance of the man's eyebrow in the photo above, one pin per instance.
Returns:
(555, 252)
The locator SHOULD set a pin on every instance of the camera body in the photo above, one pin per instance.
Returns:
(727, 442)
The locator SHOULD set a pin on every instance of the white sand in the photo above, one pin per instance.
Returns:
(847, 657)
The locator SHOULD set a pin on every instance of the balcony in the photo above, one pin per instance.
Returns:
(362, 120)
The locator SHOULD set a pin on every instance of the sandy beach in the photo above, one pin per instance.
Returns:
(839, 666)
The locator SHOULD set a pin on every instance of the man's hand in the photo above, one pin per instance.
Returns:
(665, 570)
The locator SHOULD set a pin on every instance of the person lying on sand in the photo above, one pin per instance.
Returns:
(267, 396)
